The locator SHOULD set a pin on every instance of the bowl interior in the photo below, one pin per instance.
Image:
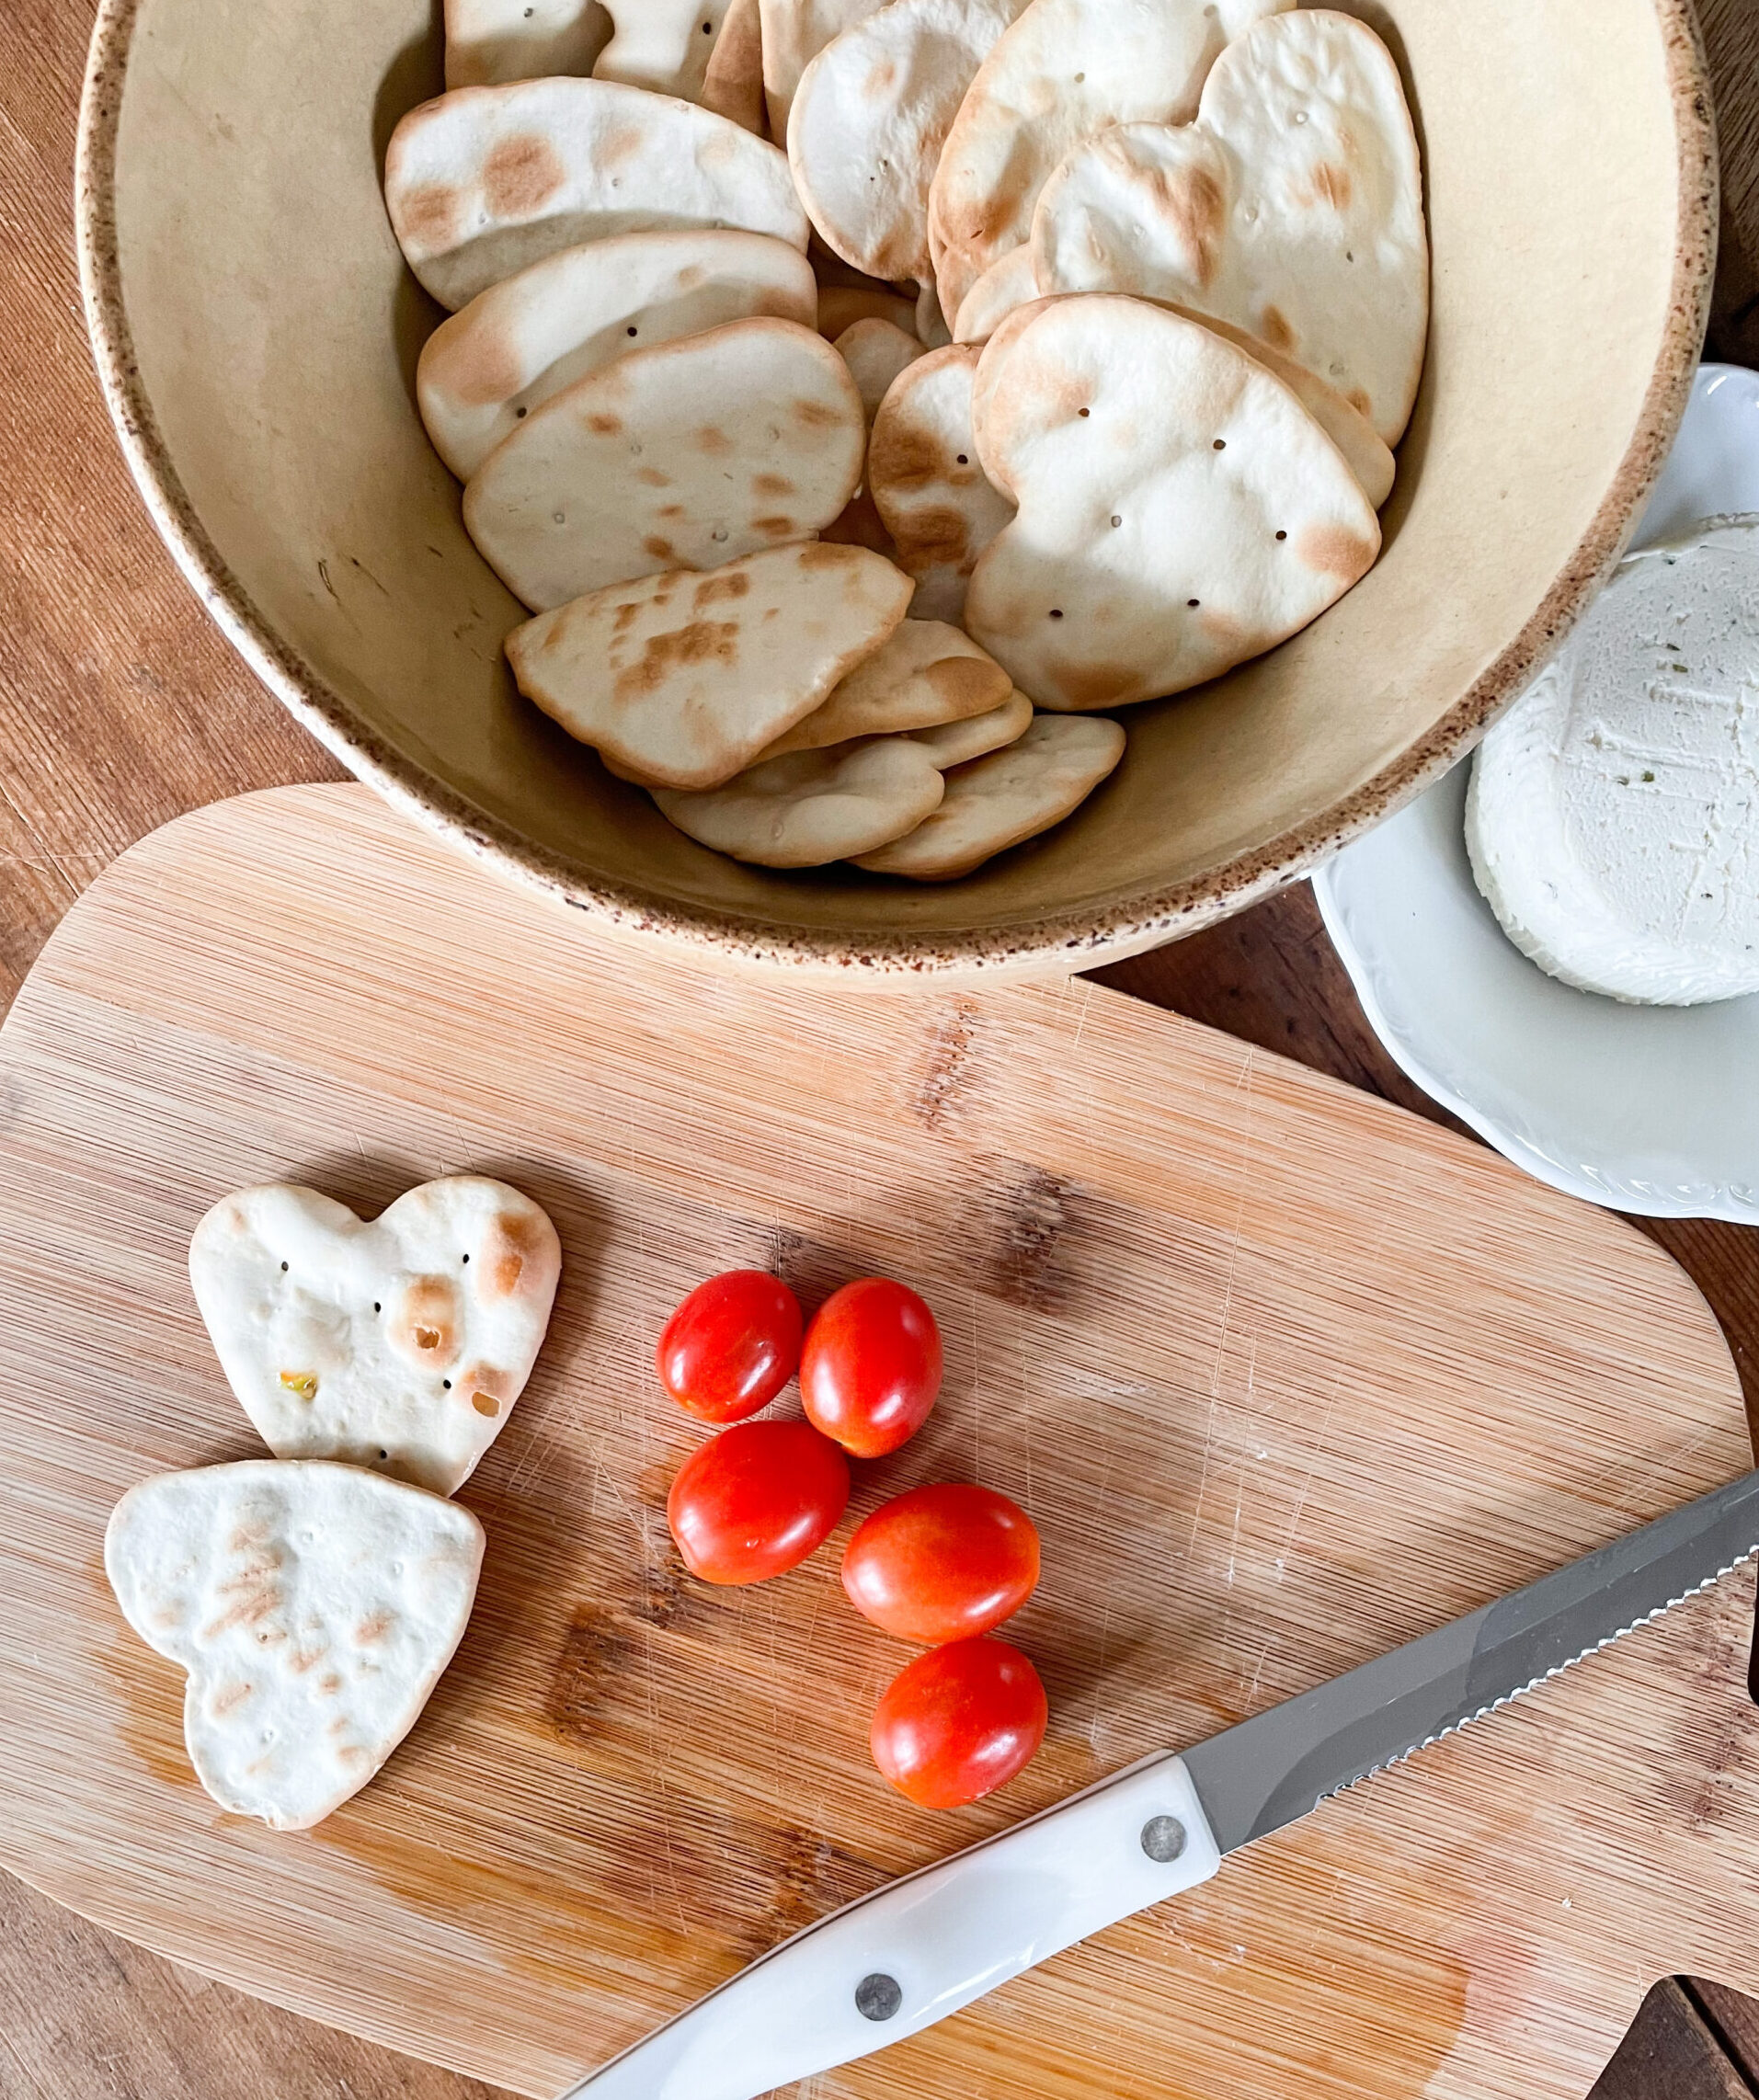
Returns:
(260, 334)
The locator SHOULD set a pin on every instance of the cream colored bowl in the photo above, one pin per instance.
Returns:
(256, 335)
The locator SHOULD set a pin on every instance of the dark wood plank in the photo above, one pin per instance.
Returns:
(1671, 2053)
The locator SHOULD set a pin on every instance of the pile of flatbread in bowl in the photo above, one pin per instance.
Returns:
(315, 1598)
(863, 397)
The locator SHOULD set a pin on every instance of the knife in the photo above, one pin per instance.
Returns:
(912, 1953)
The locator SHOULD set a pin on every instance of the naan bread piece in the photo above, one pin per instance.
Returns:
(518, 344)
(924, 674)
(400, 1344)
(876, 352)
(953, 744)
(1292, 208)
(794, 33)
(1179, 510)
(1006, 283)
(491, 41)
(681, 457)
(681, 680)
(732, 86)
(868, 120)
(483, 181)
(996, 802)
(841, 305)
(813, 807)
(1066, 70)
(314, 1607)
(661, 45)
(927, 483)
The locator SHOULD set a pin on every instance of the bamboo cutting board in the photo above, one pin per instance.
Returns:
(1284, 1374)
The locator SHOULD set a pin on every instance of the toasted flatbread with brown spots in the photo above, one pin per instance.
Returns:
(1292, 208)
(314, 1607)
(867, 122)
(1179, 510)
(923, 674)
(491, 41)
(516, 345)
(999, 801)
(684, 456)
(927, 483)
(794, 33)
(681, 680)
(812, 807)
(733, 85)
(400, 1344)
(483, 181)
(1067, 70)
(953, 744)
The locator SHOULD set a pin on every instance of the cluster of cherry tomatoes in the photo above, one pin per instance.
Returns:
(941, 1566)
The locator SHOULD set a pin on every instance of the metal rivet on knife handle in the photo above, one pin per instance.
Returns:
(878, 1996)
(1163, 1839)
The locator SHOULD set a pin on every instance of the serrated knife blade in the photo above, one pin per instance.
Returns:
(920, 1949)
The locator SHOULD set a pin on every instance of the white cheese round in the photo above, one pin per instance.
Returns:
(1613, 821)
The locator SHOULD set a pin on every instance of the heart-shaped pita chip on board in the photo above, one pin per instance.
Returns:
(662, 45)
(684, 456)
(1292, 208)
(875, 351)
(927, 483)
(486, 181)
(868, 120)
(996, 802)
(1180, 511)
(400, 1344)
(812, 807)
(733, 85)
(314, 1607)
(491, 41)
(681, 680)
(953, 744)
(923, 674)
(516, 345)
(1067, 70)
(1006, 283)
(794, 33)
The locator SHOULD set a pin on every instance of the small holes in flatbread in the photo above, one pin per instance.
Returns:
(1115, 518)
(1056, 612)
(1083, 411)
(1220, 445)
(445, 1384)
(1193, 603)
(1282, 535)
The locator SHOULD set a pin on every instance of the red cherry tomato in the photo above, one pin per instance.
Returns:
(871, 1367)
(959, 1722)
(942, 1563)
(755, 1501)
(732, 1345)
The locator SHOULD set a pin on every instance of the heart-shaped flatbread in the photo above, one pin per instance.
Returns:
(812, 807)
(868, 118)
(1179, 510)
(682, 457)
(400, 1344)
(1292, 208)
(681, 680)
(1065, 70)
(927, 483)
(518, 344)
(483, 181)
(490, 42)
(314, 1607)
(999, 801)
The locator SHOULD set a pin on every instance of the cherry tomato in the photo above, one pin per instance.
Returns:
(732, 1345)
(871, 1367)
(942, 1563)
(755, 1501)
(959, 1722)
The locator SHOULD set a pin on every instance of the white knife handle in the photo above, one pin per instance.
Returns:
(906, 1956)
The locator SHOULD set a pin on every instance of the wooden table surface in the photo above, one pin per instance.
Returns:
(121, 706)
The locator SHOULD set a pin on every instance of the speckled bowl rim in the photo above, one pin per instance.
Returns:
(1051, 943)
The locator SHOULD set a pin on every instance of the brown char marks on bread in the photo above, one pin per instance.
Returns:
(1190, 202)
(818, 414)
(429, 218)
(478, 367)
(521, 175)
(1331, 185)
(424, 1324)
(1334, 550)
(509, 1266)
(729, 585)
(935, 536)
(682, 648)
(962, 681)
(1088, 685)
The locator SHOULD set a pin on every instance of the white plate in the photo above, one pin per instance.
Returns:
(1647, 1109)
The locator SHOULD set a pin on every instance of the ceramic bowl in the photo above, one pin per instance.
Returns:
(1646, 1108)
(257, 333)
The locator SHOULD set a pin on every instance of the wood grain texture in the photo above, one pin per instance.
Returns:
(1283, 1376)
